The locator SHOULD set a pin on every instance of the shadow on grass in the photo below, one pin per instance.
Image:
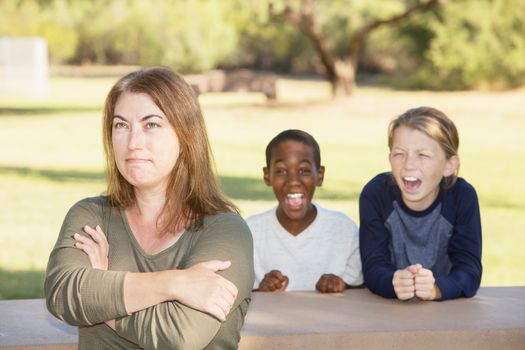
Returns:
(54, 175)
(21, 284)
(40, 110)
(250, 188)
(247, 188)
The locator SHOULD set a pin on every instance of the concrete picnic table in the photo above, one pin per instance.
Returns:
(493, 319)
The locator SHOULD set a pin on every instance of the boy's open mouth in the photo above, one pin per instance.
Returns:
(294, 200)
(411, 183)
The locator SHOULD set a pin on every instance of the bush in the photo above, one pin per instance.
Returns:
(477, 43)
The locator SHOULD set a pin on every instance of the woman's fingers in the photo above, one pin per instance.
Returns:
(96, 234)
(202, 288)
(215, 265)
(231, 288)
(83, 243)
(91, 232)
(218, 313)
(95, 245)
(225, 307)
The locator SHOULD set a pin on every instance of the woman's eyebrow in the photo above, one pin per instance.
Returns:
(116, 116)
(150, 116)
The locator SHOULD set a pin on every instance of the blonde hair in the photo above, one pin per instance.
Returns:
(436, 125)
(193, 190)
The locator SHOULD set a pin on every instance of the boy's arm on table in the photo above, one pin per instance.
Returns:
(464, 250)
(378, 272)
(353, 274)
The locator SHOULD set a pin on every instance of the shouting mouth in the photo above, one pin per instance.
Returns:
(294, 200)
(411, 183)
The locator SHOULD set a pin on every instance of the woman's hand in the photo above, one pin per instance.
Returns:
(330, 283)
(96, 246)
(273, 281)
(201, 288)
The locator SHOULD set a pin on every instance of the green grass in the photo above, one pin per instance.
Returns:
(51, 156)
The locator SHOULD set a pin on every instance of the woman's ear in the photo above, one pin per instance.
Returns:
(451, 166)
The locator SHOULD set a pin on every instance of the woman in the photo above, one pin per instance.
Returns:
(163, 261)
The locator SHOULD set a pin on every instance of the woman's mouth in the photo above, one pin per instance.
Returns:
(136, 160)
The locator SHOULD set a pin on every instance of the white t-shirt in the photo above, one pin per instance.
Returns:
(329, 245)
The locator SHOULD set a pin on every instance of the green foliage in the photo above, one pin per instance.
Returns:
(186, 35)
(190, 35)
(29, 18)
(283, 45)
(199, 36)
(267, 43)
(459, 45)
(477, 43)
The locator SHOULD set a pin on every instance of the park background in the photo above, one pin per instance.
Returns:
(465, 57)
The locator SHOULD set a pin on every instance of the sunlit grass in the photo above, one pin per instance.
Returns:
(51, 156)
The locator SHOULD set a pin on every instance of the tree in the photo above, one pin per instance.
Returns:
(476, 43)
(340, 71)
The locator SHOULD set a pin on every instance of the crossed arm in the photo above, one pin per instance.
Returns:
(198, 287)
(182, 316)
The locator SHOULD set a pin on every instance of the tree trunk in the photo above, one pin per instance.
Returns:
(343, 81)
(340, 72)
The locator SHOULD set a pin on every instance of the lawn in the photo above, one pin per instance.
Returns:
(51, 156)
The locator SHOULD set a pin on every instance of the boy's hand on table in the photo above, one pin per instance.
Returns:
(415, 281)
(273, 281)
(330, 283)
(404, 282)
(425, 284)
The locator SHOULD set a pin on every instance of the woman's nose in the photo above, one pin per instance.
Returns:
(136, 139)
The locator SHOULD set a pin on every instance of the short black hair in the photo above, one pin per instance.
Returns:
(294, 135)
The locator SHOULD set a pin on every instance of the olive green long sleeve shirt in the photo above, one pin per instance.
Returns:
(87, 297)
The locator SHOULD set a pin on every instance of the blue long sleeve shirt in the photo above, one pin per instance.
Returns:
(445, 237)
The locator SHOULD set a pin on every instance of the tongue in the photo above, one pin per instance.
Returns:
(295, 202)
(411, 185)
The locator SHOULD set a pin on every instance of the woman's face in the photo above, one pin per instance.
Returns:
(145, 144)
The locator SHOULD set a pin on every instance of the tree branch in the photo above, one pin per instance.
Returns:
(361, 35)
(305, 20)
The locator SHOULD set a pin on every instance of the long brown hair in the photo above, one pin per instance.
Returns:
(436, 125)
(193, 190)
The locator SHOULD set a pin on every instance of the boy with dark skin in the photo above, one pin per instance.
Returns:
(294, 171)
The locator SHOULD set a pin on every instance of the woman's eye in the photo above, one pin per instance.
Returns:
(423, 155)
(152, 125)
(119, 125)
